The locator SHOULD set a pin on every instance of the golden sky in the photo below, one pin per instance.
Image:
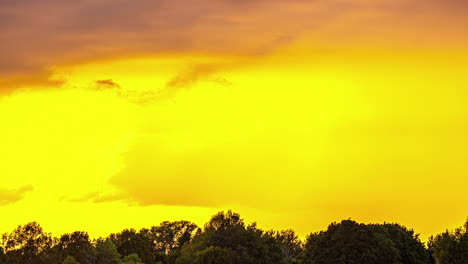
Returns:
(118, 114)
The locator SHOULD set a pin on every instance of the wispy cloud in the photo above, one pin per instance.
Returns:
(106, 84)
(97, 197)
(192, 75)
(10, 196)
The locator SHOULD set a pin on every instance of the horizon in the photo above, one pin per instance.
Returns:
(247, 222)
(295, 114)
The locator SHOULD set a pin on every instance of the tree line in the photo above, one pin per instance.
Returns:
(227, 239)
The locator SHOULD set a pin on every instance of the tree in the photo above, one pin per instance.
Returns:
(168, 238)
(70, 260)
(349, 243)
(78, 246)
(227, 238)
(290, 244)
(214, 255)
(171, 236)
(2, 256)
(106, 252)
(450, 247)
(132, 259)
(130, 242)
(26, 244)
(410, 248)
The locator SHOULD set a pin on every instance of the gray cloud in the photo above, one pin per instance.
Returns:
(37, 35)
(106, 84)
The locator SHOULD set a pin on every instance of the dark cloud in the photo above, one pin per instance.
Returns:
(10, 196)
(37, 35)
(106, 84)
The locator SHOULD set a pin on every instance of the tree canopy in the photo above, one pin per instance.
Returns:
(450, 247)
(227, 239)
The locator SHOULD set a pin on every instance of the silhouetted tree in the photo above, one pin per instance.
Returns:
(290, 245)
(26, 244)
(106, 252)
(450, 247)
(2, 256)
(226, 239)
(78, 246)
(410, 248)
(130, 242)
(349, 243)
(170, 236)
(225, 233)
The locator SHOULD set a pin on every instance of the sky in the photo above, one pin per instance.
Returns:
(120, 114)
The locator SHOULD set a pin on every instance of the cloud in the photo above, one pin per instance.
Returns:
(97, 197)
(10, 196)
(22, 81)
(192, 75)
(106, 84)
(275, 44)
(38, 35)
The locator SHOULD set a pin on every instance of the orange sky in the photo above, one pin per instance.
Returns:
(120, 114)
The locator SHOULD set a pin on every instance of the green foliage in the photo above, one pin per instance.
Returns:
(131, 259)
(106, 252)
(214, 255)
(70, 260)
(450, 247)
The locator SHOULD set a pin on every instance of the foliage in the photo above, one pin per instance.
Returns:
(290, 245)
(129, 242)
(26, 244)
(106, 252)
(410, 248)
(450, 247)
(78, 246)
(214, 255)
(70, 260)
(132, 259)
(349, 243)
(2, 256)
(227, 239)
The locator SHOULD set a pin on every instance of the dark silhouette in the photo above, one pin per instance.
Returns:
(450, 247)
(226, 239)
(353, 243)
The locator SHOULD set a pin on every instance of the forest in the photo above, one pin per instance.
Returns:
(227, 239)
